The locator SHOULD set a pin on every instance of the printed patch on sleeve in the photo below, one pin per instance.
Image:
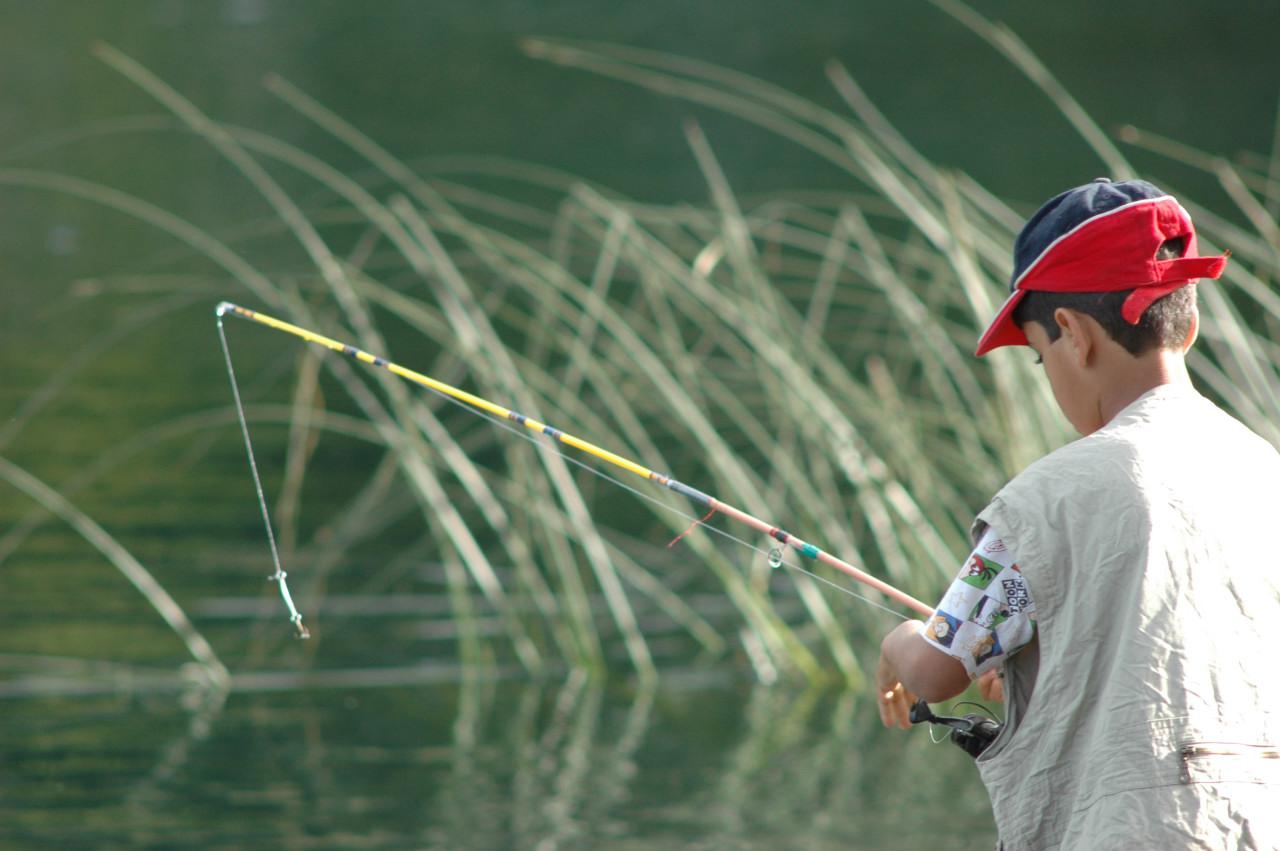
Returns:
(989, 612)
(1015, 593)
(1016, 633)
(984, 648)
(980, 572)
(992, 545)
(942, 628)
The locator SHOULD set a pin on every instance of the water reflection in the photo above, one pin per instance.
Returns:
(468, 762)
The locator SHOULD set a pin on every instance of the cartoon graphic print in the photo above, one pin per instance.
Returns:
(998, 610)
(942, 628)
(989, 612)
(986, 647)
(981, 571)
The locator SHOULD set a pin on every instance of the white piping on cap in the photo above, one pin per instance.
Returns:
(1090, 220)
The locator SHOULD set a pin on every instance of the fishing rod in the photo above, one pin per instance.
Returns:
(708, 502)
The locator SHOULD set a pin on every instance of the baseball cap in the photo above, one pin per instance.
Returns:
(1101, 237)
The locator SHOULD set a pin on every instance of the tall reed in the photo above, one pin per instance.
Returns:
(806, 357)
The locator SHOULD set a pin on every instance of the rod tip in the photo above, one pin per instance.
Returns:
(223, 307)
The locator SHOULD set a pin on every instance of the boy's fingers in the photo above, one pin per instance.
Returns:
(887, 701)
(895, 707)
(991, 685)
(902, 709)
(886, 711)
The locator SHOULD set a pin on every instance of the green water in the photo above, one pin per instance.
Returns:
(372, 735)
(483, 765)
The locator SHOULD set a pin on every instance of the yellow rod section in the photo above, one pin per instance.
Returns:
(805, 549)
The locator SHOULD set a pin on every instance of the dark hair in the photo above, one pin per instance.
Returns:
(1165, 324)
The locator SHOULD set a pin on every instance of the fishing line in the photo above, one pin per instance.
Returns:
(295, 617)
(510, 419)
(695, 520)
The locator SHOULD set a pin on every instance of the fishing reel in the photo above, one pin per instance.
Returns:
(973, 733)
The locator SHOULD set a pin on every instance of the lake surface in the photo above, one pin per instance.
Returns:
(372, 734)
(486, 765)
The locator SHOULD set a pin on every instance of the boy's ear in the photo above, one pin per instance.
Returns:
(1194, 331)
(1080, 332)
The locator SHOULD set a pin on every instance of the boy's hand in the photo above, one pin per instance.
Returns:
(991, 685)
(892, 698)
(895, 704)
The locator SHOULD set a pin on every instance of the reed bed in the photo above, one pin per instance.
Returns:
(804, 356)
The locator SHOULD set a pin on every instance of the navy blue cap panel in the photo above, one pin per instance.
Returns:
(1065, 212)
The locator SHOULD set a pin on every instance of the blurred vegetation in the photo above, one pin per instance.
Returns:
(805, 355)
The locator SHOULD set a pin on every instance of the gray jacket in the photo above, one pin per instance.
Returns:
(1146, 713)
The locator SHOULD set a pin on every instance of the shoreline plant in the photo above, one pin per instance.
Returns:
(806, 356)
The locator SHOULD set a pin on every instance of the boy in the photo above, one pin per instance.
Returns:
(1128, 584)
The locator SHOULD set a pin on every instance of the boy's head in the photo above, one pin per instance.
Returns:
(1121, 253)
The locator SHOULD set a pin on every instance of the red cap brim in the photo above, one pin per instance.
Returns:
(1003, 331)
